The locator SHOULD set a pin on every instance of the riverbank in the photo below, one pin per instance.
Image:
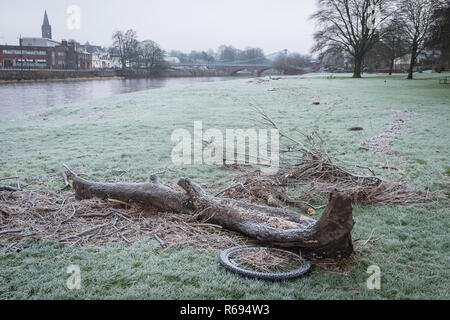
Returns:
(14, 76)
(11, 76)
(127, 137)
(19, 97)
(63, 79)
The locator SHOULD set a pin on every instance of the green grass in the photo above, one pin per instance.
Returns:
(129, 136)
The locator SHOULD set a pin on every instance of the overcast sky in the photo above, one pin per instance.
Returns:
(177, 24)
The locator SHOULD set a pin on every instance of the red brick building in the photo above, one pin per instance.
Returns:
(28, 57)
(76, 58)
(64, 56)
(45, 53)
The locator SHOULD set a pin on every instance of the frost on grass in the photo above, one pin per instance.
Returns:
(308, 166)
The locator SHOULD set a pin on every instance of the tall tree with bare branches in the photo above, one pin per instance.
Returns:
(439, 38)
(417, 18)
(394, 43)
(351, 26)
(125, 46)
(151, 57)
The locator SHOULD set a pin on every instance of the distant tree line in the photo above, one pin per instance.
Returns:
(291, 63)
(283, 62)
(225, 53)
(194, 56)
(349, 31)
(361, 30)
(135, 55)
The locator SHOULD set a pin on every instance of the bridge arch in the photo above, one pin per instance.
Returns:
(261, 70)
(234, 71)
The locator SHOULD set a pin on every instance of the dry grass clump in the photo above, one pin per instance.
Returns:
(301, 190)
(57, 216)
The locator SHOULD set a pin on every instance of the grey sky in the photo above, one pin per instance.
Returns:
(185, 25)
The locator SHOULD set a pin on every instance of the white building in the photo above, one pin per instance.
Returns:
(172, 60)
(102, 60)
(39, 42)
(404, 62)
(116, 63)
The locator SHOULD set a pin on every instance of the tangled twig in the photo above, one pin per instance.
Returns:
(55, 216)
(307, 163)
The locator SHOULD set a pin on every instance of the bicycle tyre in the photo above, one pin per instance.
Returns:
(295, 274)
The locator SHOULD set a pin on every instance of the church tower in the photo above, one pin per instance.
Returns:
(46, 28)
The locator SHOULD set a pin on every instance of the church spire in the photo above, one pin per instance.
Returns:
(46, 27)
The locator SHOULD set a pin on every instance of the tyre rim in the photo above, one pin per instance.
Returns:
(264, 262)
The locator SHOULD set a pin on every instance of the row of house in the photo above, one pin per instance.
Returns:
(41, 53)
(45, 53)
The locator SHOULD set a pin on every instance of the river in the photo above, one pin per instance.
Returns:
(21, 97)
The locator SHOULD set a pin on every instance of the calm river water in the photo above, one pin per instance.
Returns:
(20, 97)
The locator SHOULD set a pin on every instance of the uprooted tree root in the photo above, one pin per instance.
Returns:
(56, 216)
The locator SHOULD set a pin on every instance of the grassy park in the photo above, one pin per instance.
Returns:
(128, 137)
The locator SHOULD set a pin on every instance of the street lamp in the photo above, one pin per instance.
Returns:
(21, 57)
(2, 65)
(285, 61)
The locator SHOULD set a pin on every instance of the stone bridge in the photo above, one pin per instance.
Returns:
(228, 69)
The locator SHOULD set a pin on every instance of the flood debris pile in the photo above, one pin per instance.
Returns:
(308, 173)
(254, 208)
(59, 217)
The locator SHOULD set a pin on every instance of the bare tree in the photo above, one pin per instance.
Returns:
(125, 46)
(151, 56)
(350, 26)
(439, 38)
(227, 53)
(295, 61)
(251, 55)
(336, 59)
(417, 18)
(394, 42)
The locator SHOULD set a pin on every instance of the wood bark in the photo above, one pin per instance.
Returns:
(329, 237)
(413, 61)
(391, 68)
(358, 67)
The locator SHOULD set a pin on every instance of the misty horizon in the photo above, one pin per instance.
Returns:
(198, 25)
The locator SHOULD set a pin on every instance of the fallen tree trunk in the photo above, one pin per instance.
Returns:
(329, 237)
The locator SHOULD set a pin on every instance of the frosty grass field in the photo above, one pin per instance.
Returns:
(129, 136)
